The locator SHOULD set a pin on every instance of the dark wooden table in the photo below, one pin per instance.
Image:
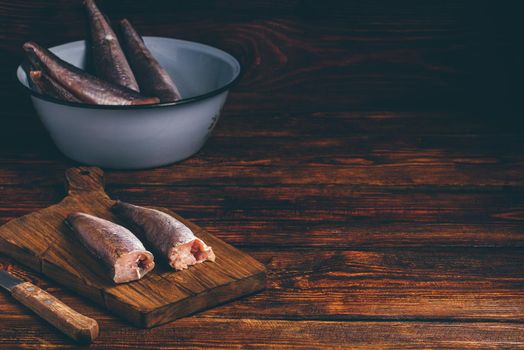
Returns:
(371, 157)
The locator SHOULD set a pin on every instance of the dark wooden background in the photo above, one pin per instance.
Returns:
(371, 158)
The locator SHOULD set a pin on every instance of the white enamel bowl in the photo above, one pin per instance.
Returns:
(138, 137)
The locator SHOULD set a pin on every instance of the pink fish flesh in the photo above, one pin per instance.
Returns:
(171, 238)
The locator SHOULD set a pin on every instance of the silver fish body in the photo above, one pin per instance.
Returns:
(109, 59)
(117, 247)
(82, 85)
(48, 86)
(171, 238)
(153, 79)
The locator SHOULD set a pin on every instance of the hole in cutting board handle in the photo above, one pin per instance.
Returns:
(84, 179)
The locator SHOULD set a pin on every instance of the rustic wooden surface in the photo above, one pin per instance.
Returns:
(372, 157)
(42, 242)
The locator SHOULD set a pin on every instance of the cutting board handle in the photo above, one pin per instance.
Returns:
(84, 179)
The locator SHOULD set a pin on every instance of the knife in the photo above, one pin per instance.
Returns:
(77, 326)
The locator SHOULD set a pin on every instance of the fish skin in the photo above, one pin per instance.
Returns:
(152, 78)
(109, 59)
(166, 235)
(114, 245)
(82, 85)
(47, 86)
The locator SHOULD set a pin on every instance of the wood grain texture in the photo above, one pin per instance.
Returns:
(387, 284)
(262, 334)
(42, 241)
(371, 157)
(382, 149)
(341, 217)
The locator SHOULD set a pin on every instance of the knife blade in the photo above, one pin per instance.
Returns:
(8, 281)
(77, 326)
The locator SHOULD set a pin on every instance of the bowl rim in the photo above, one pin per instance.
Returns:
(180, 102)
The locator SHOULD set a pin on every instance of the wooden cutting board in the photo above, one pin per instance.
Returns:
(42, 241)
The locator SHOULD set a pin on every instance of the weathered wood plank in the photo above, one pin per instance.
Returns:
(385, 149)
(458, 284)
(376, 152)
(254, 123)
(471, 284)
(44, 173)
(262, 334)
(306, 203)
(338, 217)
(317, 152)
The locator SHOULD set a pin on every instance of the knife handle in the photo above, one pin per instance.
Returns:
(77, 326)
